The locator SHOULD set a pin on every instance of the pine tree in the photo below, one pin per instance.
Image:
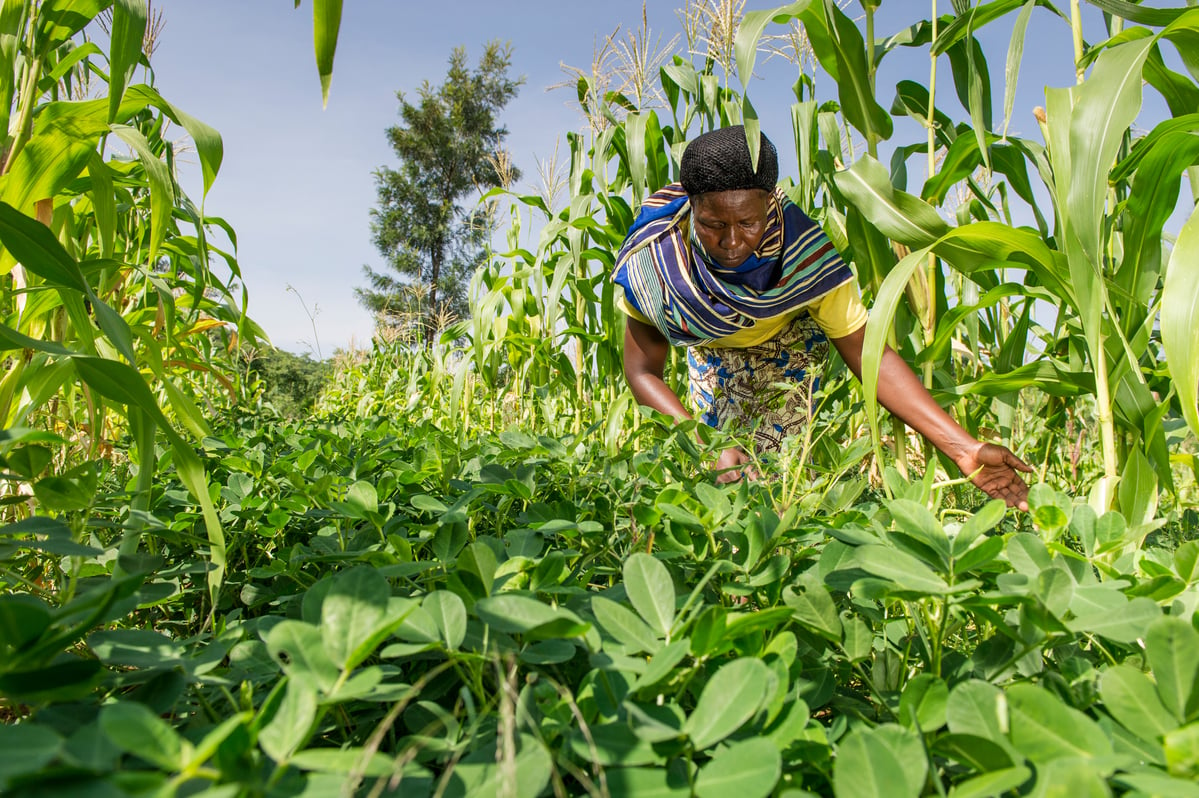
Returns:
(447, 144)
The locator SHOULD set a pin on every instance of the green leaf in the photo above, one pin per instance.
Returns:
(326, 23)
(878, 328)
(670, 782)
(1180, 319)
(623, 625)
(59, 20)
(730, 698)
(854, 87)
(516, 614)
(135, 729)
(610, 744)
(138, 648)
(900, 568)
(897, 214)
(748, 769)
(482, 774)
(976, 708)
(976, 525)
(363, 497)
(23, 618)
(1137, 491)
(1106, 104)
(884, 762)
(1186, 561)
(1152, 781)
(1125, 624)
(1182, 752)
(69, 492)
(1075, 777)
(812, 605)
(352, 613)
(300, 650)
(1140, 14)
(993, 784)
(26, 748)
(1043, 729)
(69, 678)
(916, 521)
(1132, 700)
(634, 136)
(288, 720)
(1172, 648)
(476, 568)
(750, 31)
(1015, 54)
(448, 610)
(162, 186)
(428, 504)
(344, 760)
(859, 638)
(922, 705)
(651, 591)
(662, 664)
(34, 245)
(126, 32)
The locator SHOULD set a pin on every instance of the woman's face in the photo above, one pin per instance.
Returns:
(730, 223)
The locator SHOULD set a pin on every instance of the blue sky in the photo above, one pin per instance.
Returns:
(297, 181)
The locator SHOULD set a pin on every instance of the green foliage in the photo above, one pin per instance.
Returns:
(290, 383)
(526, 609)
(449, 146)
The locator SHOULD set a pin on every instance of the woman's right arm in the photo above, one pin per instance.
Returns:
(645, 351)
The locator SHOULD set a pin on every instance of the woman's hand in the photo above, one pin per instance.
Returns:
(998, 477)
(731, 466)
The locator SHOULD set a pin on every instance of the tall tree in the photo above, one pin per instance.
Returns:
(449, 147)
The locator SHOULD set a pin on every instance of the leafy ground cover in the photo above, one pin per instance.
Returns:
(405, 613)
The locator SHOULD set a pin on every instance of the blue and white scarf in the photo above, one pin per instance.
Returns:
(692, 299)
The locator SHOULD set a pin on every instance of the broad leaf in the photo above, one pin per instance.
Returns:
(1172, 647)
(651, 591)
(730, 698)
(883, 762)
(1044, 729)
(747, 769)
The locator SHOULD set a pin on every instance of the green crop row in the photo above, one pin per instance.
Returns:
(524, 614)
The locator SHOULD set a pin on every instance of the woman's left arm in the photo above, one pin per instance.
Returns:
(901, 392)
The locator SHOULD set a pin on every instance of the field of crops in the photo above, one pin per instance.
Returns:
(476, 568)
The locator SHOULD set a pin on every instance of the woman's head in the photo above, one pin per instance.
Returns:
(729, 198)
(720, 161)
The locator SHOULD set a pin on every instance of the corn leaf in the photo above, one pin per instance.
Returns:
(1015, 55)
(1180, 318)
(1140, 14)
(1106, 105)
(162, 187)
(126, 34)
(326, 23)
(882, 313)
(59, 20)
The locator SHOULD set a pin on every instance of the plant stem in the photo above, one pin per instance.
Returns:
(930, 310)
(1076, 27)
(1107, 433)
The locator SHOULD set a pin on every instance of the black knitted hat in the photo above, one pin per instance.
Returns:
(719, 161)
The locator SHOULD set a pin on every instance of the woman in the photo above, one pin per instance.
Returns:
(724, 264)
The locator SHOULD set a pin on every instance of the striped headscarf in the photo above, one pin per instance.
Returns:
(668, 278)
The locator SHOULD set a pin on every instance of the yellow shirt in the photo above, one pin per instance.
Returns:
(839, 313)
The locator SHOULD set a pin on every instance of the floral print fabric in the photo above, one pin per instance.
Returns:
(766, 388)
